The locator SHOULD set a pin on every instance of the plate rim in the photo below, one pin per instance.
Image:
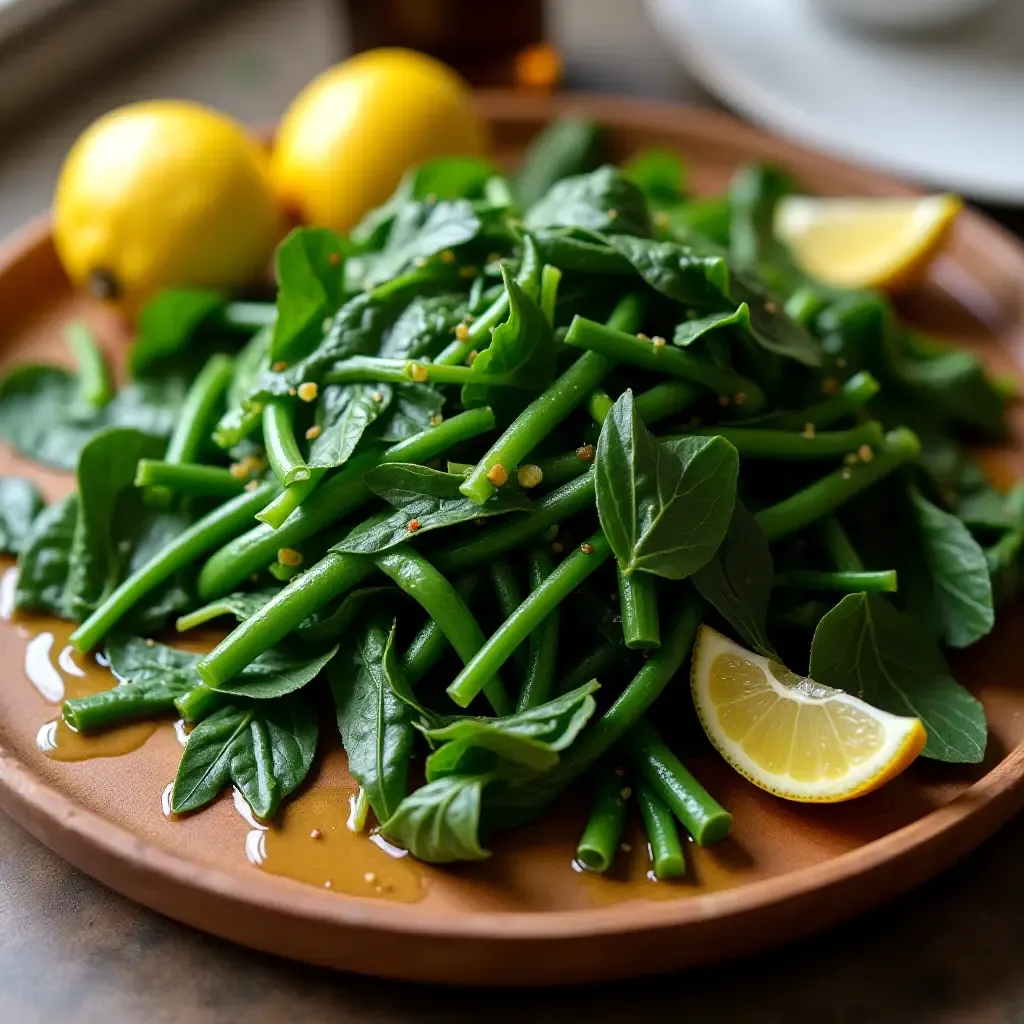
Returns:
(121, 859)
(728, 80)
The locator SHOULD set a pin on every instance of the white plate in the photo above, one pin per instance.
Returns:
(946, 109)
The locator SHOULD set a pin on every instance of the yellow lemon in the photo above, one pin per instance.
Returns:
(352, 132)
(164, 193)
(792, 736)
(865, 243)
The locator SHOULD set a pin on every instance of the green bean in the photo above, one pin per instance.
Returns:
(430, 643)
(510, 597)
(827, 494)
(94, 386)
(601, 836)
(334, 574)
(752, 443)
(638, 606)
(537, 606)
(112, 707)
(279, 440)
(459, 468)
(371, 369)
(662, 835)
(596, 663)
(550, 277)
(623, 347)
(663, 400)
(211, 531)
(856, 392)
(284, 504)
(190, 478)
(878, 582)
(202, 407)
(842, 552)
(543, 652)
(421, 581)
(560, 469)
(599, 404)
(200, 702)
(702, 816)
(340, 495)
(249, 316)
(479, 335)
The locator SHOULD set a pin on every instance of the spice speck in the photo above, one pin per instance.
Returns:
(289, 556)
(314, 432)
(308, 391)
(585, 453)
(497, 475)
(529, 475)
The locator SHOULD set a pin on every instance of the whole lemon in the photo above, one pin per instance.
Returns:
(350, 134)
(164, 193)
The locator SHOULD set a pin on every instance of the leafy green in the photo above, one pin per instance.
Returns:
(157, 529)
(604, 200)
(691, 330)
(330, 623)
(660, 174)
(530, 740)
(343, 414)
(44, 561)
(108, 509)
(238, 422)
(962, 590)
(375, 725)
(440, 822)
(20, 503)
(737, 582)
(266, 750)
(275, 673)
(240, 605)
(676, 270)
(414, 407)
(565, 147)
(310, 287)
(424, 327)
(167, 324)
(424, 496)
(878, 653)
(665, 509)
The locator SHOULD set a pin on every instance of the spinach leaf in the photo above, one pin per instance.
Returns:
(343, 414)
(276, 673)
(676, 270)
(737, 582)
(585, 251)
(330, 623)
(40, 415)
(240, 605)
(565, 147)
(20, 503)
(665, 509)
(44, 561)
(167, 324)
(604, 200)
(250, 364)
(414, 407)
(521, 355)
(660, 174)
(109, 506)
(691, 330)
(530, 740)
(424, 327)
(158, 528)
(426, 497)
(962, 590)
(867, 647)
(310, 287)
(134, 660)
(266, 750)
(375, 725)
(440, 822)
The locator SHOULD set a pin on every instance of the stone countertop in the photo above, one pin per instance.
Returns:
(72, 951)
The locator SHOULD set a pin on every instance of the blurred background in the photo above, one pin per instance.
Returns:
(932, 89)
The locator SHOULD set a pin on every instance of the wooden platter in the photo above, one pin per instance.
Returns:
(525, 916)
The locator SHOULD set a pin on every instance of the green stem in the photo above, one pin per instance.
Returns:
(211, 531)
(754, 443)
(856, 392)
(882, 581)
(200, 702)
(543, 653)
(662, 834)
(638, 606)
(279, 440)
(664, 400)
(560, 469)
(509, 596)
(421, 581)
(702, 816)
(527, 617)
(545, 413)
(285, 503)
(479, 336)
(308, 592)
(603, 832)
(200, 411)
(249, 316)
(841, 550)
(190, 478)
(430, 643)
(370, 369)
(599, 404)
(622, 347)
(827, 494)
(550, 277)
(95, 389)
(112, 707)
(596, 663)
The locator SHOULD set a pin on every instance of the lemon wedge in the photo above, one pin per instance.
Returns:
(865, 243)
(790, 735)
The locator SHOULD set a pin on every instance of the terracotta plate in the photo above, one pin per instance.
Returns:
(525, 916)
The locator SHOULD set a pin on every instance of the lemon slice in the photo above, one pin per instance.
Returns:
(790, 735)
(865, 243)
